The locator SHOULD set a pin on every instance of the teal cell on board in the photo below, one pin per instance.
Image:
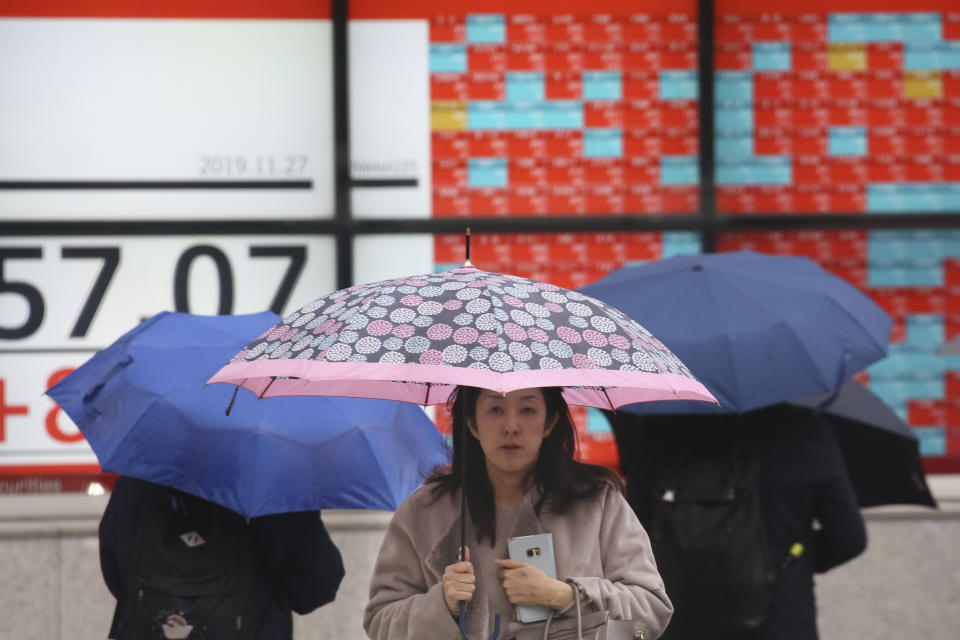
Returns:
(679, 243)
(943, 56)
(678, 85)
(448, 58)
(734, 147)
(486, 29)
(597, 422)
(932, 440)
(884, 27)
(486, 115)
(732, 87)
(525, 86)
(905, 274)
(563, 114)
(602, 85)
(847, 141)
(487, 173)
(679, 170)
(771, 56)
(758, 171)
(524, 115)
(602, 143)
(730, 120)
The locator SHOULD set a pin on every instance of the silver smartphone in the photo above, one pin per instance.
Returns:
(538, 551)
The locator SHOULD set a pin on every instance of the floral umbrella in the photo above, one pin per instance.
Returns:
(416, 338)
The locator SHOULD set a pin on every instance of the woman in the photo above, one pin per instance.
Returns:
(522, 479)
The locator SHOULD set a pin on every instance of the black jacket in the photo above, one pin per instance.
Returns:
(805, 493)
(300, 565)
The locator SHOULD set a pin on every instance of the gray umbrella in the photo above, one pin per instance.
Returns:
(881, 451)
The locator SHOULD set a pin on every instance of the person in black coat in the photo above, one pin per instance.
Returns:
(299, 568)
(805, 494)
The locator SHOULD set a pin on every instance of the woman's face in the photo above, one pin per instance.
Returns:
(510, 429)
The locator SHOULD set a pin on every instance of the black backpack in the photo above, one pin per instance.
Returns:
(709, 539)
(194, 575)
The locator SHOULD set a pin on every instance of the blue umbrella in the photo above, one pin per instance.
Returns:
(755, 329)
(881, 451)
(143, 406)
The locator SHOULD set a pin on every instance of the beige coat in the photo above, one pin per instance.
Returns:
(599, 544)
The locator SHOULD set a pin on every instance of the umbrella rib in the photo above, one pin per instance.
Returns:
(269, 384)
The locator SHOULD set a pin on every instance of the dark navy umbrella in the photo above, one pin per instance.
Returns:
(143, 406)
(882, 453)
(755, 329)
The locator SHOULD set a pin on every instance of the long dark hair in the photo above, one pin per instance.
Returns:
(560, 480)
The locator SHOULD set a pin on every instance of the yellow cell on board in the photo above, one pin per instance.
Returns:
(921, 85)
(847, 57)
(448, 115)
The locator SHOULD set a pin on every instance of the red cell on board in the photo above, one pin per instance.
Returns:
(924, 169)
(678, 57)
(773, 86)
(881, 169)
(849, 200)
(850, 113)
(560, 85)
(641, 57)
(603, 57)
(563, 28)
(448, 86)
(951, 26)
(450, 173)
(886, 142)
(774, 142)
(778, 31)
(680, 199)
(525, 201)
(642, 114)
(566, 201)
(449, 145)
(525, 28)
(526, 172)
(924, 143)
(885, 56)
(772, 114)
(680, 142)
(563, 172)
(526, 144)
(774, 200)
(640, 86)
(489, 202)
(685, 31)
(603, 113)
(736, 31)
(487, 144)
(679, 114)
(810, 172)
(604, 201)
(810, 141)
(809, 31)
(847, 86)
(885, 86)
(447, 29)
(603, 171)
(564, 144)
(486, 86)
(951, 280)
(643, 199)
(486, 58)
(926, 413)
(951, 84)
(726, 202)
(603, 29)
(645, 143)
(885, 114)
(735, 59)
(641, 246)
(815, 200)
(450, 202)
(921, 300)
(925, 113)
(810, 86)
(564, 57)
(813, 114)
(951, 113)
(809, 59)
(641, 28)
(853, 271)
(951, 169)
(640, 170)
(525, 57)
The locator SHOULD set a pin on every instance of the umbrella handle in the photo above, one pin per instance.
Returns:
(463, 623)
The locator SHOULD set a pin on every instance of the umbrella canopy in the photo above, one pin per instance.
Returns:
(143, 407)
(756, 329)
(416, 338)
(882, 453)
